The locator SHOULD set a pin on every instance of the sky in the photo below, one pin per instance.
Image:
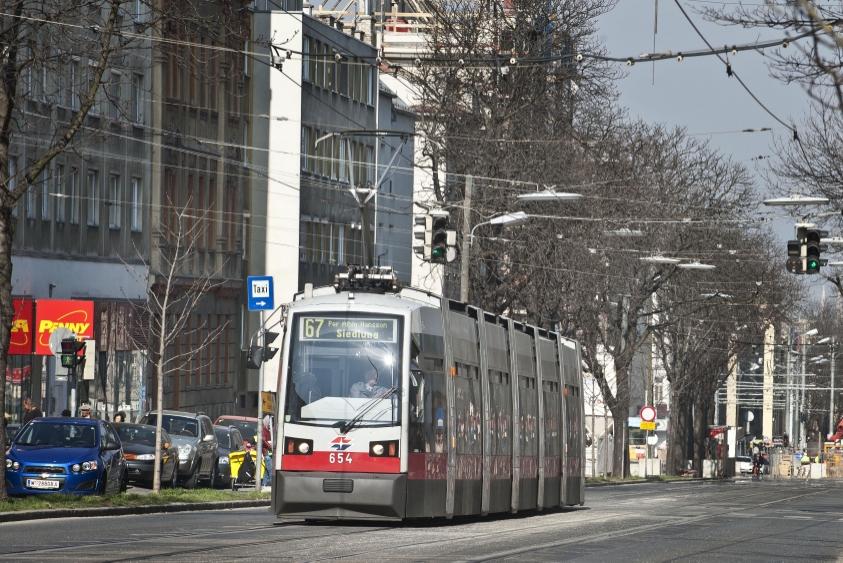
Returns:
(697, 93)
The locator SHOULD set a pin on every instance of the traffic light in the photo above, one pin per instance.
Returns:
(70, 356)
(813, 249)
(424, 234)
(269, 338)
(794, 257)
(260, 354)
(444, 239)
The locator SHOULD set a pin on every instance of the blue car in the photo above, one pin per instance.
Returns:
(66, 455)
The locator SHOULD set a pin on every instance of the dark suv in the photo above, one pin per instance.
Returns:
(194, 435)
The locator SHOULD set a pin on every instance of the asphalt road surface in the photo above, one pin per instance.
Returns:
(766, 521)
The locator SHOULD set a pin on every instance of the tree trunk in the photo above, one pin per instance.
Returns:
(701, 408)
(159, 395)
(7, 312)
(678, 435)
(620, 414)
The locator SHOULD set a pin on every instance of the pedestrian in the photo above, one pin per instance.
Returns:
(31, 410)
(266, 445)
(85, 410)
(65, 412)
(120, 417)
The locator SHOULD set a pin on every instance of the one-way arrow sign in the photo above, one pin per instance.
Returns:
(261, 294)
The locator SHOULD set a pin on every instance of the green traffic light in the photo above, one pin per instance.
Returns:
(813, 266)
(438, 252)
(68, 361)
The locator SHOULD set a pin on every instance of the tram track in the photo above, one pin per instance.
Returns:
(738, 499)
(670, 521)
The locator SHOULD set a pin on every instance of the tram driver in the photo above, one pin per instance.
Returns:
(369, 386)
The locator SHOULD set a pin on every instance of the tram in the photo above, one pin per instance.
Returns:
(395, 403)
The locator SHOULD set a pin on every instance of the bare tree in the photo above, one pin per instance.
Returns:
(176, 290)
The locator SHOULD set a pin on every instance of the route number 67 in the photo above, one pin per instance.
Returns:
(340, 458)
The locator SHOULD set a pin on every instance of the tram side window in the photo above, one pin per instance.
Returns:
(551, 418)
(501, 413)
(428, 432)
(469, 405)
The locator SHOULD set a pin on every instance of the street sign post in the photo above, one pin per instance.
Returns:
(647, 414)
(261, 293)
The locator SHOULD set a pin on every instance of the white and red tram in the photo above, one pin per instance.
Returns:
(395, 403)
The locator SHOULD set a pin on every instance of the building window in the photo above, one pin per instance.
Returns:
(72, 100)
(305, 46)
(112, 92)
(60, 194)
(137, 98)
(305, 149)
(136, 204)
(13, 180)
(93, 199)
(340, 242)
(73, 194)
(45, 199)
(30, 202)
(44, 87)
(114, 202)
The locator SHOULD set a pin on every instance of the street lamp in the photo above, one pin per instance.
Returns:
(796, 200)
(548, 194)
(696, 266)
(660, 260)
(506, 220)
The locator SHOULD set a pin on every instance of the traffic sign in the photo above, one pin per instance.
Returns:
(647, 425)
(261, 294)
(647, 414)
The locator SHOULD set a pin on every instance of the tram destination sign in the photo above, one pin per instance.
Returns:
(347, 329)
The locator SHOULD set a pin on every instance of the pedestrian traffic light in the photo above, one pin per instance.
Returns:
(269, 338)
(70, 356)
(794, 257)
(813, 249)
(260, 354)
(444, 239)
(423, 231)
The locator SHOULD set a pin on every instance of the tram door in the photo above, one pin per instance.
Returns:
(528, 424)
(552, 417)
(428, 434)
(574, 422)
(468, 405)
(500, 419)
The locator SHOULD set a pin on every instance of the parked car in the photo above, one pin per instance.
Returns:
(743, 464)
(194, 436)
(66, 455)
(139, 448)
(247, 425)
(229, 440)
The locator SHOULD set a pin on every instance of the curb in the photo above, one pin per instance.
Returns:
(23, 515)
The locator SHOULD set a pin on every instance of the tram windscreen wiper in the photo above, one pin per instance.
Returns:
(346, 427)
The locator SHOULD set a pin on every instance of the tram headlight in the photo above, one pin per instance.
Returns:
(297, 446)
(384, 449)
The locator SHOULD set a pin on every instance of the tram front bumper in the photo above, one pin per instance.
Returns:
(339, 496)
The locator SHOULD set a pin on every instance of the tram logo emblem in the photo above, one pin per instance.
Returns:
(340, 443)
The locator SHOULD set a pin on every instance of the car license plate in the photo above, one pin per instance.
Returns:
(42, 484)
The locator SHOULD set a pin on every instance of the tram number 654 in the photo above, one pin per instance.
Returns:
(340, 458)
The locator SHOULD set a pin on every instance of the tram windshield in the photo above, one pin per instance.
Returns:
(344, 370)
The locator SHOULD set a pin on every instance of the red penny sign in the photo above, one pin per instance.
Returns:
(647, 414)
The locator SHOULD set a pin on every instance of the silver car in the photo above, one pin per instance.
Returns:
(194, 436)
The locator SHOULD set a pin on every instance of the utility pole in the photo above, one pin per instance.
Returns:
(833, 349)
(788, 391)
(466, 239)
(802, 441)
(259, 438)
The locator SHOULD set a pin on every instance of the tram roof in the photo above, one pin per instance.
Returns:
(407, 298)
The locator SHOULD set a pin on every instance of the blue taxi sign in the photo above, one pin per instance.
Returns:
(261, 294)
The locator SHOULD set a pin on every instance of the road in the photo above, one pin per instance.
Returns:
(767, 521)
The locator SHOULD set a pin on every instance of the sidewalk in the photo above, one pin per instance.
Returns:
(22, 515)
